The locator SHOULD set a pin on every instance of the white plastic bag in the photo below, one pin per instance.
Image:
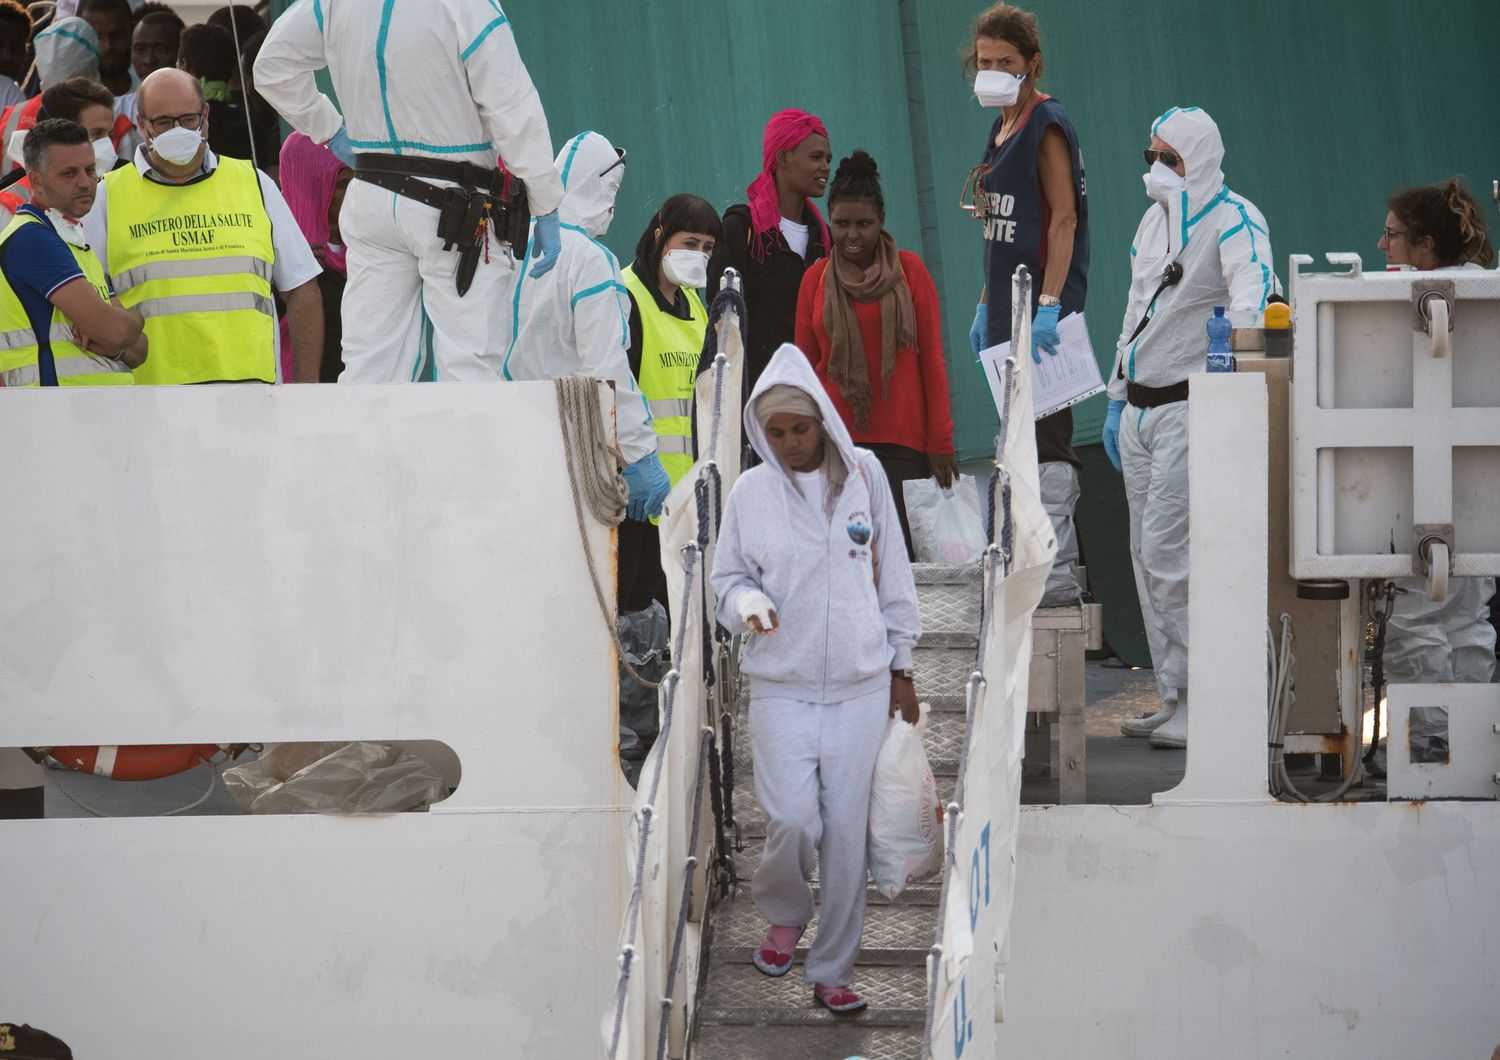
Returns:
(338, 778)
(946, 525)
(906, 821)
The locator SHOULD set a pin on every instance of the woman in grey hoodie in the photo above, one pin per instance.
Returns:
(811, 561)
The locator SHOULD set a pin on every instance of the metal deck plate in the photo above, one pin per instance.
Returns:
(924, 892)
(889, 929)
(737, 993)
(796, 1043)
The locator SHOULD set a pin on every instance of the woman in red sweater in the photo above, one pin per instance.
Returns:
(868, 319)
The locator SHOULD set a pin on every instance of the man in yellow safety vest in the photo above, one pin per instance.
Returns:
(198, 243)
(59, 323)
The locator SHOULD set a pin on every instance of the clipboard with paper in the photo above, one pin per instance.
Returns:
(1060, 380)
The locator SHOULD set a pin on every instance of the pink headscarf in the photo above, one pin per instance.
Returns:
(309, 172)
(785, 130)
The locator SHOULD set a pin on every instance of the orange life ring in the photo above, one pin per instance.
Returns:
(136, 761)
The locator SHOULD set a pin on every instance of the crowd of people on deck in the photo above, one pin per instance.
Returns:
(424, 228)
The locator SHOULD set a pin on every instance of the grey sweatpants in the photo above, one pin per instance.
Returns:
(1059, 488)
(813, 766)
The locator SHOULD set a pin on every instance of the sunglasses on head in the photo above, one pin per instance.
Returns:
(1168, 158)
(617, 163)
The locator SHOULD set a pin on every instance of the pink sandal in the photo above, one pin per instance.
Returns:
(777, 950)
(838, 999)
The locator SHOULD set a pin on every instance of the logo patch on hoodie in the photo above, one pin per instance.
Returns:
(859, 530)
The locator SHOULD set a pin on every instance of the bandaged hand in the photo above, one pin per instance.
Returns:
(757, 612)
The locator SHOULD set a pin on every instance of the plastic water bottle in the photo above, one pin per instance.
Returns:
(1219, 357)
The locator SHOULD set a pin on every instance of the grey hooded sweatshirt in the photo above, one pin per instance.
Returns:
(842, 587)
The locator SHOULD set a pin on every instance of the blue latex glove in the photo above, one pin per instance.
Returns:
(1111, 436)
(1044, 332)
(981, 329)
(548, 246)
(339, 145)
(648, 484)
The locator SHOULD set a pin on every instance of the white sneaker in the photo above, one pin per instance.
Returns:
(1146, 724)
(1173, 734)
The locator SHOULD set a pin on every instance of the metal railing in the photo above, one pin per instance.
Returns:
(697, 692)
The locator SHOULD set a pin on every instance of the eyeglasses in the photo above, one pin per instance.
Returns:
(167, 121)
(971, 200)
(1168, 158)
(1391, 235)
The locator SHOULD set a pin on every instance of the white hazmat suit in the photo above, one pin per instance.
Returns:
(1221, 242)
(575, 319)
(436, 79)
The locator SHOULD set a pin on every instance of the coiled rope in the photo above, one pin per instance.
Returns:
(594, 464)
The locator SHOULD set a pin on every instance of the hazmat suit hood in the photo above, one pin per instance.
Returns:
(790, 366)
(1195, 136)
(589, 198)
(67, 48)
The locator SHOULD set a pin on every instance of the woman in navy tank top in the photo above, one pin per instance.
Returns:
(1028, 194)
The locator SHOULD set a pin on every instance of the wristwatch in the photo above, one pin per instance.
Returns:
(910, 675)
(1048, 299)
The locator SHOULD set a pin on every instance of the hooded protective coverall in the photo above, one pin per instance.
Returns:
(67, 48)
(575, 319)
(432, 79)
(820, 685)
(1220, 240)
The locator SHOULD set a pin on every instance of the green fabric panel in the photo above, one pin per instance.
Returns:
(1321, 107)
(691, 105)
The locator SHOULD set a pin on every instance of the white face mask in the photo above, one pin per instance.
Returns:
(104, 155)
(1163, 183)
(685, 268)
(177, 145)
(995, 88)
(13, 149)
(70, 231)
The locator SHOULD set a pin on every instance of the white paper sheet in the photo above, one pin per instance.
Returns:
(1057, 382)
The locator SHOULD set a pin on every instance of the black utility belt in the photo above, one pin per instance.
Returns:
(474, 202)
(1152, 397)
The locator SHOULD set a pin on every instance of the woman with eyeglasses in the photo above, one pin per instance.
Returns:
(1028, 194)
(1439, 229)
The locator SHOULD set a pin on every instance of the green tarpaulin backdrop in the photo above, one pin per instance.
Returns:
(1326, 106)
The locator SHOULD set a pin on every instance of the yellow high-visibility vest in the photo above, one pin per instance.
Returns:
(21, 347)
(196, 260)
(670, 347)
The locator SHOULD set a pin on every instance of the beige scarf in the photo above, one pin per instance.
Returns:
(845, 283)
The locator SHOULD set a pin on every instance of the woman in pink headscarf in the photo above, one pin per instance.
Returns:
(313, 183)
(773, 238)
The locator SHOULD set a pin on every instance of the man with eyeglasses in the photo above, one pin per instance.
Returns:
(1198, 246)
(197, 242)
(434, 93)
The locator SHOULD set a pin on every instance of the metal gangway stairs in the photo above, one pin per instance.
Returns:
(931, 963)
(747, 1016)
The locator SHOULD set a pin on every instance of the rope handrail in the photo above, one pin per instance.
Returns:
(691, 556)
(713, 770)
(705, 749)
(996, 564)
